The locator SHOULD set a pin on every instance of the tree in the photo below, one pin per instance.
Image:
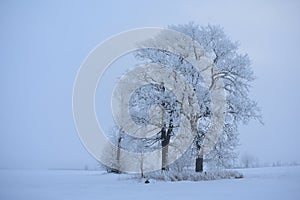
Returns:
(156, 103)
(233, 68)
(248, 160)
(112, 155)
(165, 109)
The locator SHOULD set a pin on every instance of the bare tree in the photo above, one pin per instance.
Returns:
(249, 160)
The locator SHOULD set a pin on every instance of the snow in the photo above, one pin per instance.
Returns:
(259, 183)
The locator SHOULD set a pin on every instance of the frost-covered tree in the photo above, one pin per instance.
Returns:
(113, 155)
(156, 95)
(234, 70)
(156, 99)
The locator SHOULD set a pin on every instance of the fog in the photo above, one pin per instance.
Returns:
(44, 43)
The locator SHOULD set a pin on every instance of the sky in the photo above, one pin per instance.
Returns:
(43, 44)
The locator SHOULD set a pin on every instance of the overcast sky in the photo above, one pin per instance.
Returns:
(42, 45)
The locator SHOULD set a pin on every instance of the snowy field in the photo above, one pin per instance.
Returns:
(259, 183)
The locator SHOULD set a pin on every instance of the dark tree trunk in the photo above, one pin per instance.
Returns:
(164, 144)
(199, 164)
(117, 170)
(165, 137)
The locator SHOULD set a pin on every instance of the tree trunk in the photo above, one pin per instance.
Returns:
(118, 167)
(142, 165)
(165, 137)
(165, 148)
(199, 164)
(164, 158)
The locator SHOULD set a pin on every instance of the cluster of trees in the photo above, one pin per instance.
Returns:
(233, 68)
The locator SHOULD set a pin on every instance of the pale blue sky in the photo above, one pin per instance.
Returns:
(43, 43)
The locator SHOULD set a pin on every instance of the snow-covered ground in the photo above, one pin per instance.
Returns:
(259, 183)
